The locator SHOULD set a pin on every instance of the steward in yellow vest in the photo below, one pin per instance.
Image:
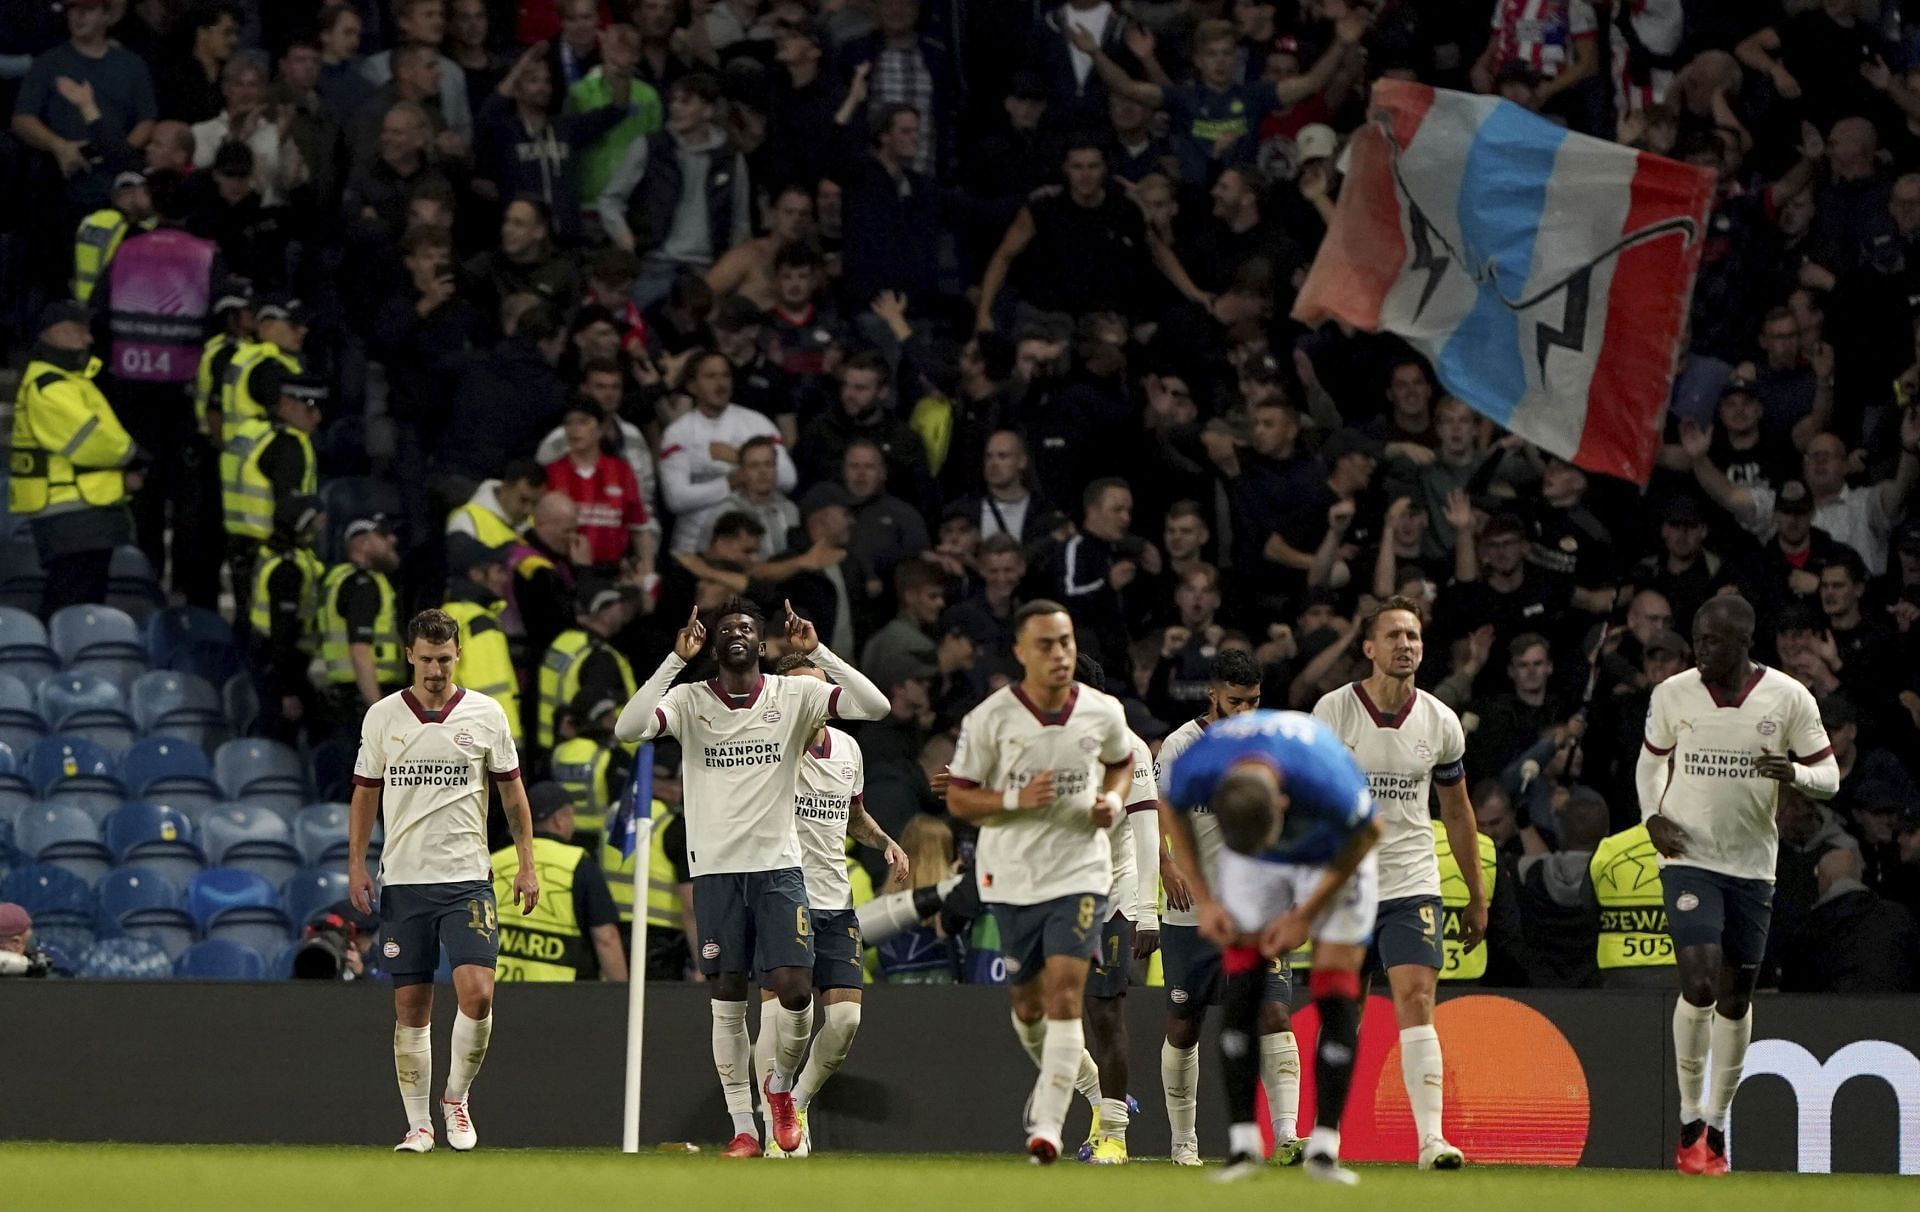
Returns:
(476, 579)
(284, 617)
(255, 376)
(233, 309)
(1461, 964)
(499, 509)
(265, 462)
(582, 662)
(359, 623)
(100, 233)
(590, 763)
(574, 932)
(1634, 947)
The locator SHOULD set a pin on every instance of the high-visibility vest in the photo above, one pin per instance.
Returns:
(1461, 964)
(389, 664)
(68, 446)
(312, 572)
(246, 495)
(580, 764)
(663, 889)
(489, 527)
(1633, 912)
(549, 943)
(560, 677)
(94, 243)
(236, 395)
(215, 356)
(484, 663)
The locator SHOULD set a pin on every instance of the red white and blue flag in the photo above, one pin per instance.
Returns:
(1546, 274)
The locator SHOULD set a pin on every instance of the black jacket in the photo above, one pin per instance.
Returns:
(1855, 943)
(504, 404)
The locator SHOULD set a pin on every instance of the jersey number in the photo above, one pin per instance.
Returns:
(481, 918)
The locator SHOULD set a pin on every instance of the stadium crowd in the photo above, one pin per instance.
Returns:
(577, 316)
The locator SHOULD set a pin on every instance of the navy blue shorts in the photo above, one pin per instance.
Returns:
(417, 920)
(1113, 963)
(1707, 908)
(752, 921)
(836, 949)
(1032, 934)
(1408, 930)
(1191, 966)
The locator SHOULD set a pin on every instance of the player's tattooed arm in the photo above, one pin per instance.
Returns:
(867, 831)
(519, 812)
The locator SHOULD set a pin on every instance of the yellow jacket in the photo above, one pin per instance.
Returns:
(68, 446)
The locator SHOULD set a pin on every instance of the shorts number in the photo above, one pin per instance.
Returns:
(802, 924)
(1113, 945)
(1426, 919)
(1086, 914)
(481, 918)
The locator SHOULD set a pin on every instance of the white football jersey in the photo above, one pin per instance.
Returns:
(1143, 795)
(1711, 787)
(1037, 854)
(739, 765)
(1206, 831)
(832, 780)
(1401, 756)
(432, 768)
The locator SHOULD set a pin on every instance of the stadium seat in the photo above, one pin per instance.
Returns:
(241, 700)
(333, 761)
(65, 934)
(15, 791)
(98, 639)
(252, 839)
(75, 771)
(179, 627)
(88, 705)
(158, 837)
(24, 650)
(184, 705)
(43, 890)
(125, 959)
(159, 766)
(320, 832)
(311, 892)
(21, 723)
(220, 959)
(125, 890)
(63, 837)
(132, 585)
(260, 771)
(240, 905)
(22, 581)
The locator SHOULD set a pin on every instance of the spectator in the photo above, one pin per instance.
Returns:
(89, 104)
(1504, 592)
(1088, 245)
(525, 263)
(1556, 901)
(470, 45)
(18, 955)
(416, 78)
(342, 85)
(245, 118)
(821, 572)
(577, 50)
(1094, 571)
(1684, 572)
(1511, 722)
(499, 510)
(192, 89)
(805, 98)
(921, 592)
(504, 402)
(380, 193)
(524, 147)
(859, 414)
(898, 65)
(1008, 506)
(611, 85)
(890, 214)
(759, 382)
(759, 495)
(752, 269)
(886, 530)
(1854, 942)
(612, 517)
(986, 616)
(423, 23)
(1790, 562)
(700, 452)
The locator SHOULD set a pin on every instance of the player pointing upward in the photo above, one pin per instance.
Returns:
(1405, 739)
(1721, 740)
(742, 736)
(426, 754)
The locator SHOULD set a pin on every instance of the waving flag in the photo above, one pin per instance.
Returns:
(636, 801)
(1546, 274)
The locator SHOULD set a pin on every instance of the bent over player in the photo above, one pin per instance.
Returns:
(426, 754)
(1722, 739)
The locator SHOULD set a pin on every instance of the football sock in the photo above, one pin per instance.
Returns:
(763, 1047)
(1032, 1037)
(1333, 1057)
(1243, 1140)
(1691, 1025)
(1059, 1058)
(1114, 1118)
(1730, 1039)
(413, 1067)
(469, 1051)
(1424, 1075)
(733, 1061)
(792, 1030)
(1324, 1142)
(836, 1038)
(1087, 1079)
(1280, 1074)
(1180, 1078)
(1240, 1059)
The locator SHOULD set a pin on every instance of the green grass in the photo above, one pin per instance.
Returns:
(64, 1176)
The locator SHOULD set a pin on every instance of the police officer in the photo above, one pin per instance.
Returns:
(233, 331)
(284, 616)
(669, 904)
(582, 661)
(254, 377)
(359, 622)
(69, 461)
(100, 233)
(574, 933)
(265, 461)
(589, 762)
(476, 585)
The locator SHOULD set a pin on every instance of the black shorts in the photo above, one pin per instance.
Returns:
(1113, 962)
(752, 921)
(1705, 907)
(1191, 966)
(1408, 930)
(1031, 934)
(417, 920)
(836, 949)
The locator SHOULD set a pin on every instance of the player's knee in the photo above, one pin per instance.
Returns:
(1183, 1033)
(728, 987)
(477, 1005)
(1414, 1007)
(1276, 1018)
(1696, 989)
(1062, 1003)
(1733, 1004)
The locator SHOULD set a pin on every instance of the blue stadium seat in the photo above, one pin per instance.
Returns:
(72, 770)
(125, 959)
(99, 639)
(66, 934)
(24, 649)
(161, 765)
(333, 761)
(320, 831)
(311, 892)
(21, 723)
(259, 771)
(250, 838)
(220, 959)
(15, 791)
(184, 705)
(124, 890)
(22, 581)
(241, 699)
(180, 627)
(88, 705)
(132, 585)
(43, 890)
(157, 837)
(64, 837)
(230, 903)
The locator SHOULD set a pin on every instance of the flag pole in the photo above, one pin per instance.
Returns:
(637, 986)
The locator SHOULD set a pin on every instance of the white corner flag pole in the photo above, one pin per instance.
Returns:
(637, 986)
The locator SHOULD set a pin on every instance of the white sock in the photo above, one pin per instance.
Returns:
(733, 1061)
(763, 1046)
(1280, 1074)
(1086, 1080)
(1691, 1025)
(1424, 1075)
(1244, 1138)
(1730, 1039)
(468, 1052)
(1180, 1078)
(836, 1038)
(1113, 1119)
(1032, 1037)
(413, 1067)
(792, 1029)
(1325, 1142)
(1059, 1059)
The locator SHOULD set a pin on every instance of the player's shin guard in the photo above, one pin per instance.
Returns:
(1059, 1061)
(836, 1038)
(763, 1046)
(1280, 1074)
(1032, 1037)
(413, 1067)
(1691, 1031)
(1086, 1079)
(792, 1030)
(1180, 1078)
(1336, 996)
(733, 1061)
(469, 1052)
(1730, 1039)
(1423, 1073)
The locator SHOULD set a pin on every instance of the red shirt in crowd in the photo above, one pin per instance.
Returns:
(608, 500)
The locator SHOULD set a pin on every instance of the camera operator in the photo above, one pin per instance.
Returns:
(338, 946)
(18, 955)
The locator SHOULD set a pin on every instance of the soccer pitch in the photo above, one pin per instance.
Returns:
(49, 1176)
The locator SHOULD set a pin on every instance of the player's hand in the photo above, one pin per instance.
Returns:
(1283, 935)
(1038, 793)
(692, 637)
(801, 636)
(897, 864)
(360, 889)
(1667, 837)
(1774, 765)
(526, 888)
(1473, 925)
(1216, 924)
(939, 784)
(1145, 943)
(1179, 895)
(1106, 810)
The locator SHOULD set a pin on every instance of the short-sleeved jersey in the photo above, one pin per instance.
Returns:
(1142, 795)
(1402, 755)
(1206, 833)
(739, 765)
(1712, 789)
(1036, 854)
(433, 767)
(833, 778)
(1327, 797)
